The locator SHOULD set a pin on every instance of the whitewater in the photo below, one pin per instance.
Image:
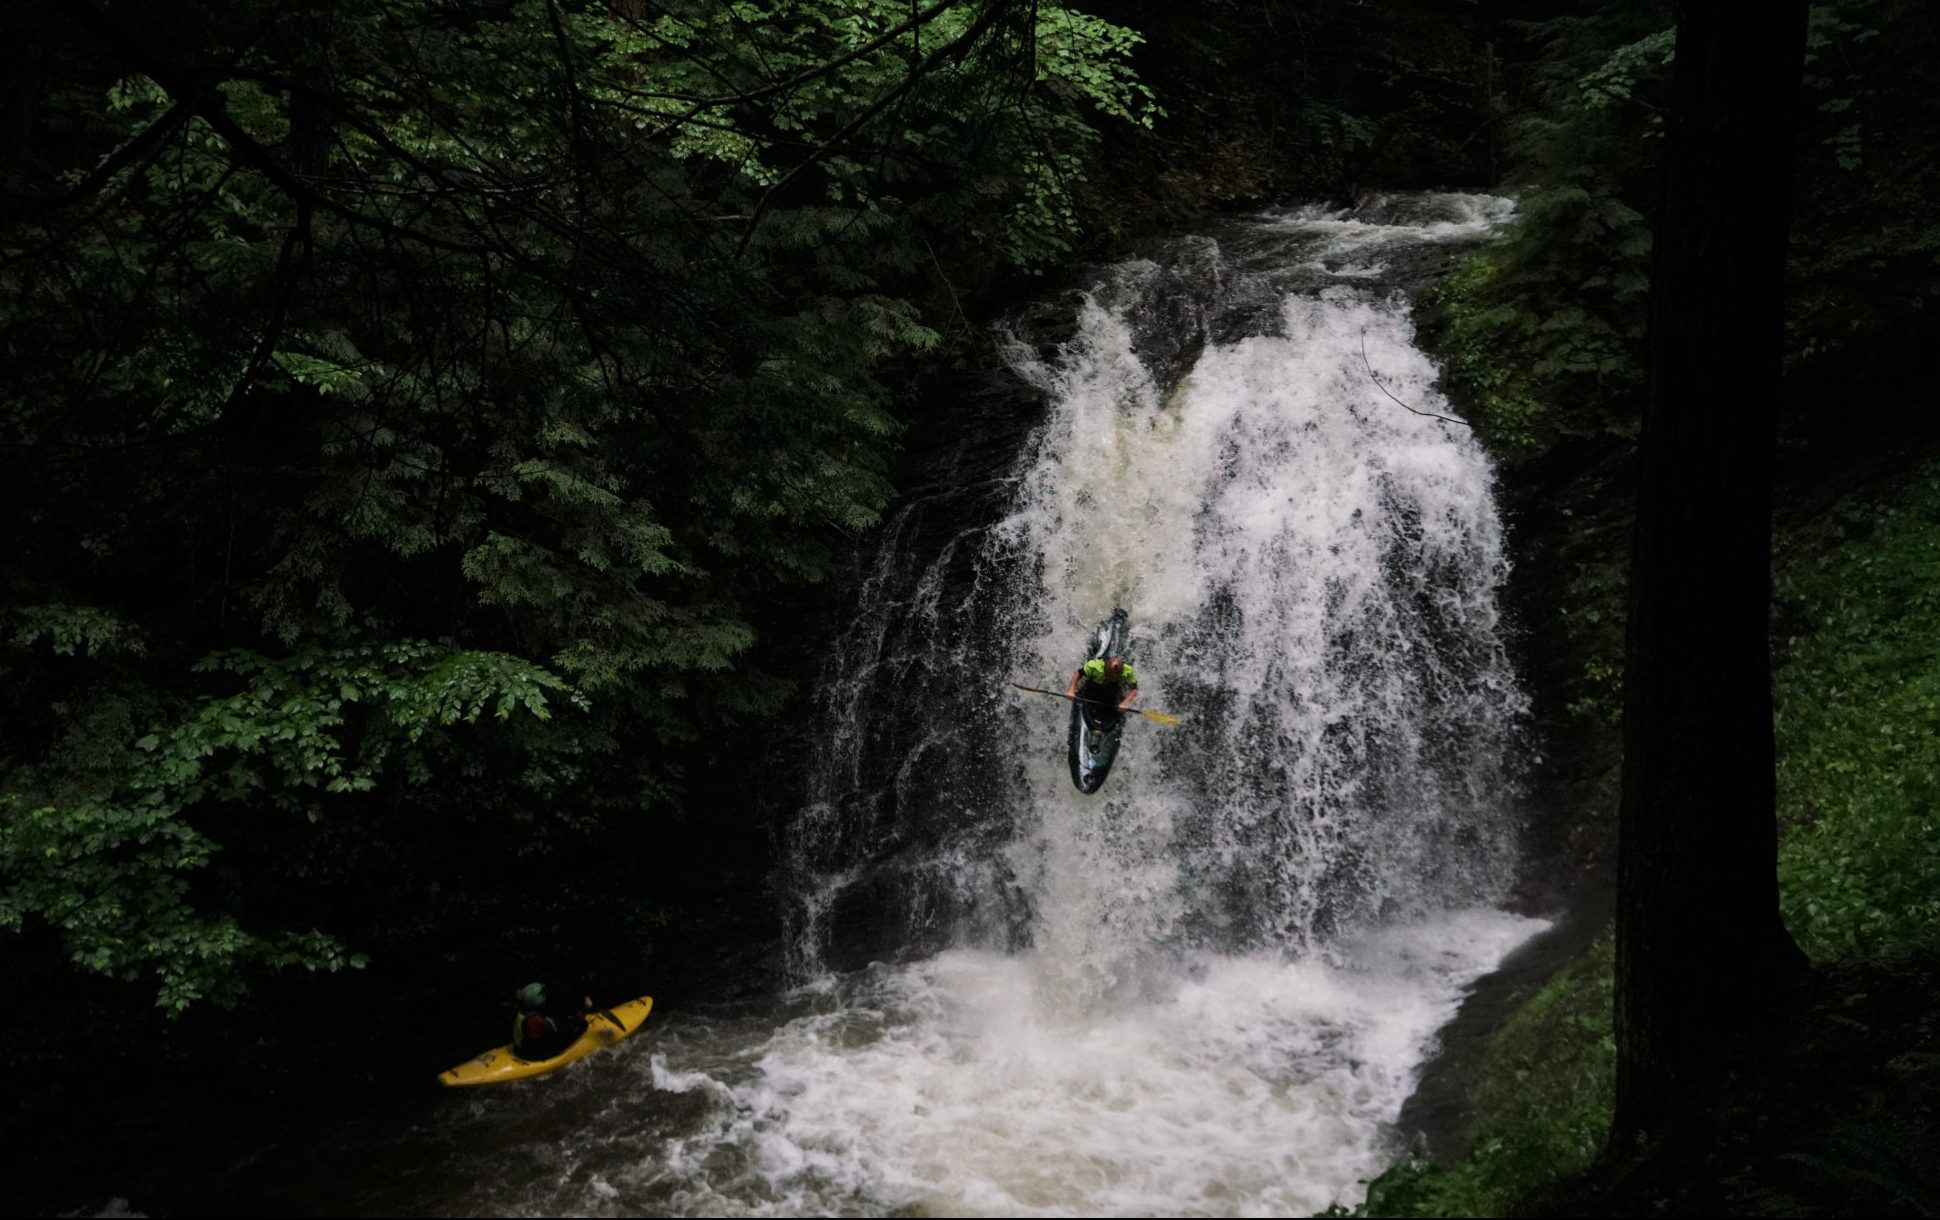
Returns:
(1210, 988)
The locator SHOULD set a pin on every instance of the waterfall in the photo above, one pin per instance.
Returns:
(1208, 988)
(1311, 567)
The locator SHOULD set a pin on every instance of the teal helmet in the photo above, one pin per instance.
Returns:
(533, 994)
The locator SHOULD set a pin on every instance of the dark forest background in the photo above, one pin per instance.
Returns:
(430, 434)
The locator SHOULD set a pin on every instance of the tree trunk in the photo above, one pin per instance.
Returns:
(1701, 950)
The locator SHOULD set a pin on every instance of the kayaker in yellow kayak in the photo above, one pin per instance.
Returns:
(602, 1027)
(536, 1033)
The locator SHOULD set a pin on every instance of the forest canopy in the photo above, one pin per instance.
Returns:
(407, 403)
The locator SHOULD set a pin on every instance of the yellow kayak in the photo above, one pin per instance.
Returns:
(604, 1027)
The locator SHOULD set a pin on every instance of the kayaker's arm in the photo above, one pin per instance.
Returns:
(1071, 691)
(1131, 693)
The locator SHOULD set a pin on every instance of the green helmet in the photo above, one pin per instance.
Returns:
(533, 994)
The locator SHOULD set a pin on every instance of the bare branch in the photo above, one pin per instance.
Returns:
(1404, 406)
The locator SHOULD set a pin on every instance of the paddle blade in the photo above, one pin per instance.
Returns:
(1161, 717)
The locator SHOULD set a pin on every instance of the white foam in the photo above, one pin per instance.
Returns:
(968, 1085)
(1240, 951)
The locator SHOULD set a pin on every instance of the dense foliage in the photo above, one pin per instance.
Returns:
(407, 404)
(1543, 332)
(1859, 728)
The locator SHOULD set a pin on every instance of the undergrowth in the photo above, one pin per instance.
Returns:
(1858, 723)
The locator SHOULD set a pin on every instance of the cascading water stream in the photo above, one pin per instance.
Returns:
(1209, 988)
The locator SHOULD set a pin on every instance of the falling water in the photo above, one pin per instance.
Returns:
(1209, 988)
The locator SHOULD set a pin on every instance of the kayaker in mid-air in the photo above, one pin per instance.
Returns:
(1106, 680)
(1101, 691)
(536, 1033)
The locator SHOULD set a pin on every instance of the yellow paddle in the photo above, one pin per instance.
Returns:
(1161, 717)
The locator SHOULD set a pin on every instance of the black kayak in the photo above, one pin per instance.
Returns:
(1096, 727)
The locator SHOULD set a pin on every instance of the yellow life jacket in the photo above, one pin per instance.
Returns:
(1094, 669)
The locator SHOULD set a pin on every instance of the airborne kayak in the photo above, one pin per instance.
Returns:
(1094, 744)
(604, 1027)
(1096, 729)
